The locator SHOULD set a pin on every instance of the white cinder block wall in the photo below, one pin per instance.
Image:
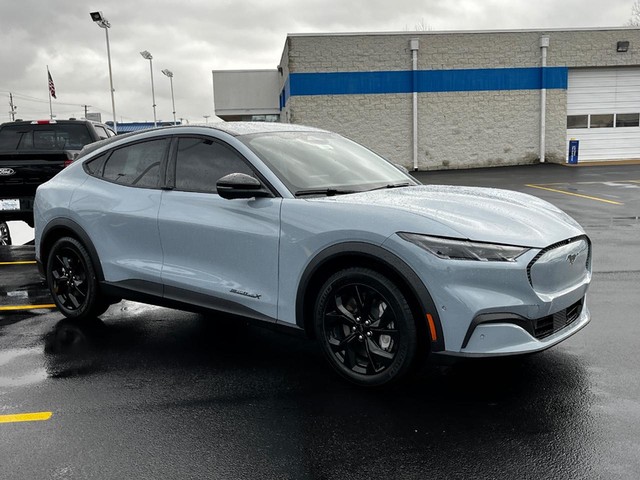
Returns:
(456, 129)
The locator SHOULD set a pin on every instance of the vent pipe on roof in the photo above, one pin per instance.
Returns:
(414, 44)
(544, 45)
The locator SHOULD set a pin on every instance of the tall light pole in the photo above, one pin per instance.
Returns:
(169, 74)
(206, 118)
(149, 57)
(104, 23)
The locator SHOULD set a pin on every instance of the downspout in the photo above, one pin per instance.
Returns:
(414, 45)
(544, 45)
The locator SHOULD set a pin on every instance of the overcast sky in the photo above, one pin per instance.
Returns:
(193, 37)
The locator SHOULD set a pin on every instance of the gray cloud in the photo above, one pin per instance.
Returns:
(193, 37)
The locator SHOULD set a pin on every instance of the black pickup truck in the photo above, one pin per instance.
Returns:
(32, 152)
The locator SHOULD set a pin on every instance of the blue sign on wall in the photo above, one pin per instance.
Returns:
(573, 151)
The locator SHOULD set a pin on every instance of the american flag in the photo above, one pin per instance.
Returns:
(52, 87)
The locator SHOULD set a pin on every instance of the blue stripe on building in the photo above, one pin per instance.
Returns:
(426, 81)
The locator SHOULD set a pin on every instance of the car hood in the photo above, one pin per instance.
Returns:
(481, 214)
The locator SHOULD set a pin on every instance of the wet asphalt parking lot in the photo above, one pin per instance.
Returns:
(146, 392)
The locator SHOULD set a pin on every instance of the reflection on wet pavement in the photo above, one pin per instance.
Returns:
(20, 283)
(23, 365)
(17, 253)
(71, 347)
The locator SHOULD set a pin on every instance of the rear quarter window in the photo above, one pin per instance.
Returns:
(94, 166)
(135, 165)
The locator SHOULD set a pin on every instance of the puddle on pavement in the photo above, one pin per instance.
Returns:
(21, 366)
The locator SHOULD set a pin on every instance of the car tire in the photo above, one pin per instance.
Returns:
(5, 235)
(72, 280)
(366, 328)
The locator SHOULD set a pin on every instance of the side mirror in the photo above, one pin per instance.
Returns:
(240, 185)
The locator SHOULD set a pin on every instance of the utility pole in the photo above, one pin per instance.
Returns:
(13, 108)
(85, 110)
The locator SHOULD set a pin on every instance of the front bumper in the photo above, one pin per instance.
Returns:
(513, 336)
(505, 308)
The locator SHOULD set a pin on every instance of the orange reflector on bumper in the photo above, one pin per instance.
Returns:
(432, 328)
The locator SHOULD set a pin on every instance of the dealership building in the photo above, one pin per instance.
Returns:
(439, 100)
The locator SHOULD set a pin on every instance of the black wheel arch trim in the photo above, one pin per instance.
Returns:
(379, 255)
(69, 225)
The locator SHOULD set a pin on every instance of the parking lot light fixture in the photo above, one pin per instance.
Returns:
(147, 56)
(102, 22)
(169, 74)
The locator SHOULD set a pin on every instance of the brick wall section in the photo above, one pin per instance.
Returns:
(380, 122)
(456, 129)
(473, 129)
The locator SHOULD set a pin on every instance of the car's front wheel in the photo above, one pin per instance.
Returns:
(366, 328)
(72, 280)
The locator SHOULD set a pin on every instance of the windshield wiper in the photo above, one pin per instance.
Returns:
(391, 185)
(329, 192)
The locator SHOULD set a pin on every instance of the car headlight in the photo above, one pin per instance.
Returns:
(453, 249)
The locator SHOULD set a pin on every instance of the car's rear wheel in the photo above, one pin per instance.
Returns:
(366, 327)
(5, 235)
(72, 280)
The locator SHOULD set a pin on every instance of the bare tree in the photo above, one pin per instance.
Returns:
(424, 27)
(634, 21)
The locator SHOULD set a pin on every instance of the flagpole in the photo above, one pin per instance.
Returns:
(49, 90)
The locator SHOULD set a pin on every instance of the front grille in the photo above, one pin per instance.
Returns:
(557, 245)
(545, 326)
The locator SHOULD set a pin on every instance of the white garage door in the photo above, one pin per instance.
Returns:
(603, 113)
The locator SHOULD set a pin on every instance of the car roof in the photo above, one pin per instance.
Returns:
(235, 129)
(247, 128)
(51, 122)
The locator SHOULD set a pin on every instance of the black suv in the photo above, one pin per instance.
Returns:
(32, 152)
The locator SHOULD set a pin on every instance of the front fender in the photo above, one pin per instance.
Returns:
(379, 256)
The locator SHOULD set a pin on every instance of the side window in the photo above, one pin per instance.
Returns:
(200, 163)
(137, 165)
(102, 133)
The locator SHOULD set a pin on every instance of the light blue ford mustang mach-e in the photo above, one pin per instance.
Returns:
(302, 228)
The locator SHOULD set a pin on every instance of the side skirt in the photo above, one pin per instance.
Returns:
(180, 299)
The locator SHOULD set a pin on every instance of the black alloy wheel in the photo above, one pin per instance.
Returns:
(5, 236)
(366, 327)
(72, 280)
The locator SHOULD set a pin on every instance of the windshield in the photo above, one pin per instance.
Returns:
(324, 163)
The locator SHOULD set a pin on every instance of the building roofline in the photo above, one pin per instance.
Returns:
(470, 32)
(269, 70)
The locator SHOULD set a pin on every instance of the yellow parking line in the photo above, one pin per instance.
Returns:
(24, 262)
(27, 307)
(26, 417)
(599, 182)
(575, 194)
